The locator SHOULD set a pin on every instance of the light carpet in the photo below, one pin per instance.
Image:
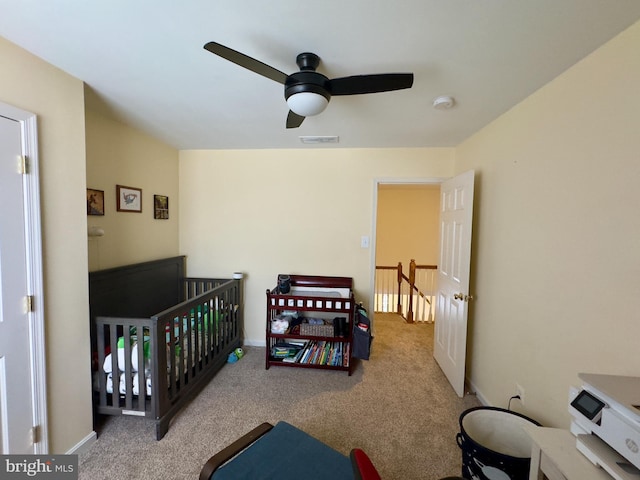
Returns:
(397, 406)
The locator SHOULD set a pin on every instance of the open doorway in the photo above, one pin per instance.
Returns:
(455, 219)
(406, 246)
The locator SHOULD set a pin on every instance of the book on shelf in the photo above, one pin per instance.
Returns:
(294, 359)
(305, 352)
(286, 350)
(312, 352)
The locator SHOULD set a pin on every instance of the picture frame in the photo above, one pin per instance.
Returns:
(95, 201)
(161, 207)
(129, 199)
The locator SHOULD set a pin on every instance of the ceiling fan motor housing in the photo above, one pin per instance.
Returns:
(307, 81)
(307, 61)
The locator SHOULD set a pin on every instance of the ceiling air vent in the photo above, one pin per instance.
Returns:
(315, 139)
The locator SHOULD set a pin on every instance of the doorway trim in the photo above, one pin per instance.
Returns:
(33, 234)
(374, 221)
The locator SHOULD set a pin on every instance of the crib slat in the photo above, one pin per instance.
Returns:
(142, 371)
(187, 350)
(198, 335)
(115, 372)
(128, 372)
(159, 362)
(207, 320)
(171, 360)
(102, 378)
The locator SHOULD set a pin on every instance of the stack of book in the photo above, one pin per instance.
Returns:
(287, 351)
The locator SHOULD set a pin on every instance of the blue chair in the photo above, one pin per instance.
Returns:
(284, 452)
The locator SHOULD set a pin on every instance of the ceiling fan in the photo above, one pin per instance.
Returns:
(308, 92)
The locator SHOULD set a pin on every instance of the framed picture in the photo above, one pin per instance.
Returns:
(129, 199)
(95, 202)
(161, 207)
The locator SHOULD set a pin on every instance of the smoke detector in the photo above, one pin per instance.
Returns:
(443, 102)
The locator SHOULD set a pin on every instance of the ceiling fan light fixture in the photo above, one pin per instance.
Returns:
(307, 104)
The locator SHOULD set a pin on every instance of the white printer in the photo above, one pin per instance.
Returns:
(606, 422)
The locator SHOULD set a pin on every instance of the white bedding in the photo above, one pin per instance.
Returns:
(180, 346)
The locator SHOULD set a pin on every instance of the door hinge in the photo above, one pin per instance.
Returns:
(35, 434)
(23, 164)
(29, 303)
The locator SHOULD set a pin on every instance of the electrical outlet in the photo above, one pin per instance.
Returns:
(520, 392)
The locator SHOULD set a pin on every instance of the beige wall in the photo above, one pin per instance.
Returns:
(556, 260)
(120, 155)
(265, 212)
(57, 99)
(407, 225)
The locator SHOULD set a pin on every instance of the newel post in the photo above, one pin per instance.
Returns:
(399, 306)
(412, 283)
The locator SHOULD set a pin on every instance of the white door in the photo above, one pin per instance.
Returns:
(16, 363)
(450, 336)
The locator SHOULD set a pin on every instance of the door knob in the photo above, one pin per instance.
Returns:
(461, 296)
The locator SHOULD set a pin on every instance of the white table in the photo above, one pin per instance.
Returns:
(554, 454)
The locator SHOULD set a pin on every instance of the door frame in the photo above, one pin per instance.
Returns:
(33, 234)
(374, 231)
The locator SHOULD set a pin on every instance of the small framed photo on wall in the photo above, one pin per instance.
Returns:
(95, 202)
(129, 199)
(160, 207)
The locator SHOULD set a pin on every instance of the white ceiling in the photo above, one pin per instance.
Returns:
(144, 61)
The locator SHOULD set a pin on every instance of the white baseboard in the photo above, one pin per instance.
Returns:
(481, 398)
(83, 445)
(255, 343)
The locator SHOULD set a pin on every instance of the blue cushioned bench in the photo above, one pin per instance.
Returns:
(281, 452)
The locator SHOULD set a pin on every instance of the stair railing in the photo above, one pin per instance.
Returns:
(411, 296)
